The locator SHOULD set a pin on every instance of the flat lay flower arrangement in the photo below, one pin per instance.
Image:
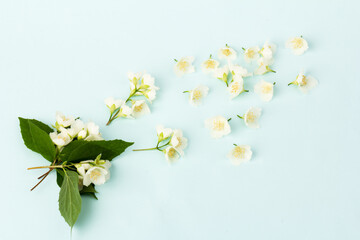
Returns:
(82, 159)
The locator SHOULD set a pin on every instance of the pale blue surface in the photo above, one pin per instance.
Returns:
(304, 179)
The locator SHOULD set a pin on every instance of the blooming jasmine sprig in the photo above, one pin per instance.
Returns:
(197, 94)
(141, 85)
(305, 83)
(171, 142)
(183, 66)
(240, 154)
(78, 153)
(298, 45)
(251, 117)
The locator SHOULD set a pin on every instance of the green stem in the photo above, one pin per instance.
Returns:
(145, 149)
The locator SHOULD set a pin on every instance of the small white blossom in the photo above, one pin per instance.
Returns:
(251, 54)
(171, 154)
(265, 90)
(264, 66)
(209, 65)
(222, 73)
(96, 172)
(240, 154)
(218, 126)
(252, 116)
(268, 50)
(60, 139)
(178, 141)
(93, 132)
(236, 87)
(184, 65)
(163, 133)
(305, 83)
(113, 104)
(239, 71)
(63, 121)
(298, 45)
(140, 108)
(197, 94)
(227, 53)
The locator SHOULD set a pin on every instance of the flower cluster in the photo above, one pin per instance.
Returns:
(171, 142)
(93, 172)
(69, 129)
(78, 153)
(141, 85)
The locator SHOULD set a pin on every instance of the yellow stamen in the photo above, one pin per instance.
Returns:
(183, 65)
(239, 152)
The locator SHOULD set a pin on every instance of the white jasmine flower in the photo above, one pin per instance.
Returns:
(140, 108)
(178, 141)
(197, 94)
(227, 53)
(252, 116)
(62, 121)
(125, 111)
(240, 154)
(134, 79)
(60, 139)
(210, 65)
(268, 50)
(265, 90)
(305, 83)
(218, 126)
(95, 175)
(237, 70)
(184, 65)
(113, 104)
(251, 54)
(171, 154)
(264, 66)
(93, 132)
(75, 128)
(222, 74)
(82, 134)
(163, 133)
(236, 87)
(298, 45)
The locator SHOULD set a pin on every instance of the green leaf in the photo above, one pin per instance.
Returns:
(90, 190)
(59, 176)
(36, 137)
(69, 198)
(81, 150)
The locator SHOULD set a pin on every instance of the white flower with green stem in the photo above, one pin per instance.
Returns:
(305, 83)
(209, 65)
(197, 94)
(171, 142)
(251, 117)
(184, 66)
(240, 154)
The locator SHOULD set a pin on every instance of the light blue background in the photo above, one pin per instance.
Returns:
(303, 181)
